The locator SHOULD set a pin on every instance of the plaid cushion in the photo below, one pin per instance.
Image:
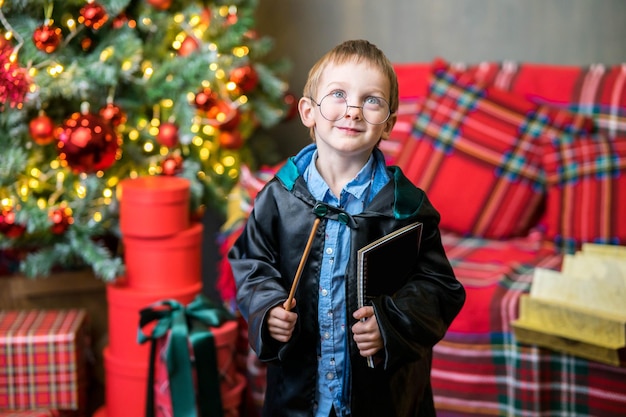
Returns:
(413, 84)
(586, 198)
(600, 92)
(476, 151)
(407, 109)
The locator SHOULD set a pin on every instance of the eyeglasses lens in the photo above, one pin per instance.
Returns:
(375, 110)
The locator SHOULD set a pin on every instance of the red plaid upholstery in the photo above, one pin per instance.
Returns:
(600, 92)
(42, 359)
(479, 368)
(586, 191)
(483, 143)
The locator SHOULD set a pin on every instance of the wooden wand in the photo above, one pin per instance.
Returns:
(305, 255)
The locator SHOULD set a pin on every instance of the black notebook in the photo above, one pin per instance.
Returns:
(387, 261)
(384, 264)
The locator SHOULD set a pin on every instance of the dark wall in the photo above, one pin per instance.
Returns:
(576, 32)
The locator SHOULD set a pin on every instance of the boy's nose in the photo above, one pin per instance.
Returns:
(358, 112)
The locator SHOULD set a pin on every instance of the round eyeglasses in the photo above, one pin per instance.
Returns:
(334, 106)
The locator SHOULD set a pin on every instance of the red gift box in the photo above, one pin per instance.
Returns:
(206, 383)
(231, 382)
(125, 390)
(168, 263)
(42, 359)
(154, 206)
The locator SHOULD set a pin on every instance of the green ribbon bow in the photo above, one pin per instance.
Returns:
(188, 325)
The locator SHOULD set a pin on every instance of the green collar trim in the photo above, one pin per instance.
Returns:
(288, 174)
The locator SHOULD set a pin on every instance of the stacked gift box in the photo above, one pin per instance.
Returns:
(43, 362)
(162, 254)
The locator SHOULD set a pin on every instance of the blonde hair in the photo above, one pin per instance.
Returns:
(358, 50)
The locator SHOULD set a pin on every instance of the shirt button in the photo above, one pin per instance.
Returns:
(326, 335)
(329, 251)
(330, 375)
(324, 292)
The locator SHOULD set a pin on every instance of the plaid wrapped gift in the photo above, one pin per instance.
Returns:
(42, 359)
(30, 413)
(191, 366)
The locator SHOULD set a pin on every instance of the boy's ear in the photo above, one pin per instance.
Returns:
(389, 124)
(305, 108)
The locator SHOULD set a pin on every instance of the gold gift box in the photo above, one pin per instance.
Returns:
(580, 310)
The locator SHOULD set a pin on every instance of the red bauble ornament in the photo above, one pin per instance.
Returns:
(14, 80)
(230, 139)
(113, 114)
(93, 15)
(47, 38)
(160, 4)
(120, 21)
(223, 116)
(245, 77)
(206, 16)
(8, 226)
(205, 99)
(231, 19)
(168, 134)
(188, 46)
(172, 165)
(86, 44)
(41, 129)
(251, 34)
(231, 121)
(61, 219)
(87, 143)
(291, 103)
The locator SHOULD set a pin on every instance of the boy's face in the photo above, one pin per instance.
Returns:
(357, 128)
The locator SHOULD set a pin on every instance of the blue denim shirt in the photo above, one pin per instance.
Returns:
(333, 376)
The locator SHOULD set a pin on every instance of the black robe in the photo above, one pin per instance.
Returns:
(413, 316)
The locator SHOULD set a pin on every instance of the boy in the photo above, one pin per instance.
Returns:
(317, 348)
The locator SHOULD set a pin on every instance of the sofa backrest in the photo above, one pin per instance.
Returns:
(522, 137)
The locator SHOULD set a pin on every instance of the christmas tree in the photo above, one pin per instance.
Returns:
(94, 92)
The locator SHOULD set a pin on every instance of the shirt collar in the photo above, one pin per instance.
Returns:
(357, 186)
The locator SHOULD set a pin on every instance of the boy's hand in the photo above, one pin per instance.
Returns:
(280, 322)
(366, 332)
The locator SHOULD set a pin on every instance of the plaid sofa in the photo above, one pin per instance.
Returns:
(536, 156)
(525, 162)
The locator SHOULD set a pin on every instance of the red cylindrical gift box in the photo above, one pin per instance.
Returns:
(124, 306)
(125, 386)
(154, 206)
(160, 264)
